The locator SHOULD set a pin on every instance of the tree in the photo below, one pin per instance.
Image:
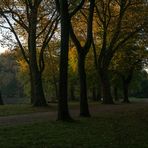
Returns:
(117, 23)
(51, 72)
(141, 91)
(82, 52)
(10, 86)
(126, 63)
(63, 112)
(1, 100)
(28, 18)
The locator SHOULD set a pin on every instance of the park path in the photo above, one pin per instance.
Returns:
(27, 118)
(52, 115)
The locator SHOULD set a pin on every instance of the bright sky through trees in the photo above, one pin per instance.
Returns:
(2, 49)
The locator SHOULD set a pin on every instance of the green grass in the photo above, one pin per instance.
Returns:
(124, 129)
(6, 110)
(18, 109)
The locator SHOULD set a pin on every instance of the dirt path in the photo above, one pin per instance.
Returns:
(51, 116)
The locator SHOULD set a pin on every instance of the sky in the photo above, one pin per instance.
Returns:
(2, 49)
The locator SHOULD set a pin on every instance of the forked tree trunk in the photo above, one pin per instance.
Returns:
(84, 110)
(106, 89)
(82, 52)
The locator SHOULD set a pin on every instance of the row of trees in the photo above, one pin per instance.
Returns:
(112, 29)
(14, 76)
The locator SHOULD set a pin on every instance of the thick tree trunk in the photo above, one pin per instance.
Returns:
(37, 93)
(84, 110)
(105, 84)
(39, 98)
(63, 112)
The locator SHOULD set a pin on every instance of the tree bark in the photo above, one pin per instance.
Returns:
(96, 68)
(37, 93)
(63, 111)
(125, 92)
(82, 52)
(105, 84)
(126, 82)
(84, 110)
(37, 90)
(1, 100)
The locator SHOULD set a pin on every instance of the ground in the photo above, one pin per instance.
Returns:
(45, 115)
(111, 126)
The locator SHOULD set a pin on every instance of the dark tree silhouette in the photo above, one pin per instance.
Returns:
(1, 100)
(82, 52)
(63, 112)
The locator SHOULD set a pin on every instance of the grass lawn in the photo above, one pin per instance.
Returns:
(18, 109)
(6, 110)
(122, 129)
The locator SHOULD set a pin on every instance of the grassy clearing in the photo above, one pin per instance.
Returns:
(124, 129)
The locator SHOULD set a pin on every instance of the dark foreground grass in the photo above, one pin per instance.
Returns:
(128, 129)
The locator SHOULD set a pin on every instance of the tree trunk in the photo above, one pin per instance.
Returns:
(125, 92)
(31, 88)
(116, 93)
(94, 94)
(82, 52)
(63, 112)
(84, 110)
(96, 68)
(126, 82)
(1, 100)
(105, 84)
(37, 93)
